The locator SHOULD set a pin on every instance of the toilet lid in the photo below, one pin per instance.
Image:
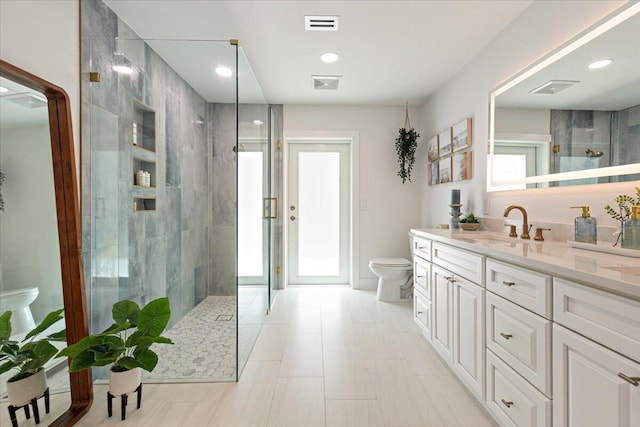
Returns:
(391, 262)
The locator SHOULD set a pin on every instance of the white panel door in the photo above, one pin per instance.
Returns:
(318, 213)
(442, 312)
(592, 385)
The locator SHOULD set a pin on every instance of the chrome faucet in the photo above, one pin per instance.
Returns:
(525, 224)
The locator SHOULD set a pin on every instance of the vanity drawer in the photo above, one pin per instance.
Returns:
(512, 400)
(466, 264)
(422, 276)
(609, 319)
(528, 288)
(522, 339)
(422, 314)
(422, 248)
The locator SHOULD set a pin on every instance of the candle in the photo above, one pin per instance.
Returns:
(455, 197)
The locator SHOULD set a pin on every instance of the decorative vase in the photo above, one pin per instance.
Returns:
(23, 390)
(124, 382)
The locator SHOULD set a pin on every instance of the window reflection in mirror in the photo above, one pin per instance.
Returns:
(572, 124)
(30, 267)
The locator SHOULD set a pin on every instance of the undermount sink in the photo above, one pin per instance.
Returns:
(491, 239)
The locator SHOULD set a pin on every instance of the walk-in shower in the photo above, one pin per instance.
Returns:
(178, 191)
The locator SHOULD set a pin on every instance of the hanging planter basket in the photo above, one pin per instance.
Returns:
(406, 144)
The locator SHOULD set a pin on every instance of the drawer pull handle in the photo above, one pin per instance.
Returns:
(420, 277)
(506, 336)
(504, 282)
(507, 403)
(421, 247)
(450, 279)
(635, 381)
(420, 312)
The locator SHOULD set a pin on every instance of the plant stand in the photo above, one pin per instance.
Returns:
(34, 404)
(123, 402)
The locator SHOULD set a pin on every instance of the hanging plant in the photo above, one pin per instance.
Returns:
(406, 144)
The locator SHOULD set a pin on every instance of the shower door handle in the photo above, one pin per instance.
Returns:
(270, 207)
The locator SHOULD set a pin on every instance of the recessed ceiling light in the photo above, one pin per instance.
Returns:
(224, 71)
(329, 57)
(600, 64)
(257, 122)
(3, 89)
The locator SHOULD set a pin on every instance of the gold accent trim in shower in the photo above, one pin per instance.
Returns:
(94, 76)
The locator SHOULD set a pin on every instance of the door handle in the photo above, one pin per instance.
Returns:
(270, 208)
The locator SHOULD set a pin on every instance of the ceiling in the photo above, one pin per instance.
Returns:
(390, 51)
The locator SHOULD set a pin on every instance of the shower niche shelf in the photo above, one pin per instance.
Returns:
(143, 157)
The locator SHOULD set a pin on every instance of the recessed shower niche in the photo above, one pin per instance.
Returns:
(143, 155)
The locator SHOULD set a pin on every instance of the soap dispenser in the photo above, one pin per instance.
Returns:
(585, 226)
(631, 230)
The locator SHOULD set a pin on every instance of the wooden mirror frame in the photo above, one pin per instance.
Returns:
(68, 213)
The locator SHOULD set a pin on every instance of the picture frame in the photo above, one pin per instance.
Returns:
(461, 166)
(444, 170)
(432, 149)
(461, 135)
(444, 143)
(432, 172)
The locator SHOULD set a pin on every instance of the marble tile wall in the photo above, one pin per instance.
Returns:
(142, 255)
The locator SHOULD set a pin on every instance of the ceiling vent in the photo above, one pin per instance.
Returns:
(28, 100)
(554, 86)
(321, 23)
(326, 82)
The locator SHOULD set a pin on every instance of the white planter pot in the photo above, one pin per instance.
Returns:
(22, 391)
(124, 382)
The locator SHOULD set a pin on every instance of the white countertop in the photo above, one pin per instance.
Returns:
(609, 272)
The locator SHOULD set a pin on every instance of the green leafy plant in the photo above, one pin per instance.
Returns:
(469, 218)
(31, 354)
(126, 343)
(625, 204)
(406, 144)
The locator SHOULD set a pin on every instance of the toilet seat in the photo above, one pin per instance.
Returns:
(390, 262)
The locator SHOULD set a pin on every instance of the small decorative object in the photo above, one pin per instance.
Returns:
(406, 144)
(461, 166)
(28, 357)
(126, 346)
(625, 209)
(444, 170)
(469, 222)
(432, 149)
(455, 215)
(455, 196)
(444, 141)
(461, 135)
(2, 178)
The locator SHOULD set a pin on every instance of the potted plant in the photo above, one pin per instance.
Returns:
(469, 222)
(28, 358)
(125, 345)
(406, 144)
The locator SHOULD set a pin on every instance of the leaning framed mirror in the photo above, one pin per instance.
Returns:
(40, 246)
(573, 117)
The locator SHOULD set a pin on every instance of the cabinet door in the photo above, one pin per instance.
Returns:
(442, 310)
(589, 385)
(468, 334)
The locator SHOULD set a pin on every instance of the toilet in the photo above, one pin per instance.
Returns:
(394, 276)
(17, 302)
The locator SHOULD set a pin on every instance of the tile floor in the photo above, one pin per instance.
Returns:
(327, 356)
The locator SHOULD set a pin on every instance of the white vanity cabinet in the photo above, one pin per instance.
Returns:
(458, 323)
(593, 386)
(422, 293)
(552, 341)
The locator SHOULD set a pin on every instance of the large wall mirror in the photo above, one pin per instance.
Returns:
(40, 266)
(573, 117)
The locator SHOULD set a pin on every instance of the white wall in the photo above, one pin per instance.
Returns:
(42, 37)
(539, 29)
(388, 208)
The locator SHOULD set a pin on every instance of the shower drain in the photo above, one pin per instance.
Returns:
(224, 317)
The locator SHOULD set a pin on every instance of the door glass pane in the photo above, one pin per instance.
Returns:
(250, 255)
(319, 214)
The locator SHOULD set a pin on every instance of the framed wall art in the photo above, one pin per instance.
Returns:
(461, 166)
(432, 149)
(461, 135)
(444, 142)
(444, 170)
